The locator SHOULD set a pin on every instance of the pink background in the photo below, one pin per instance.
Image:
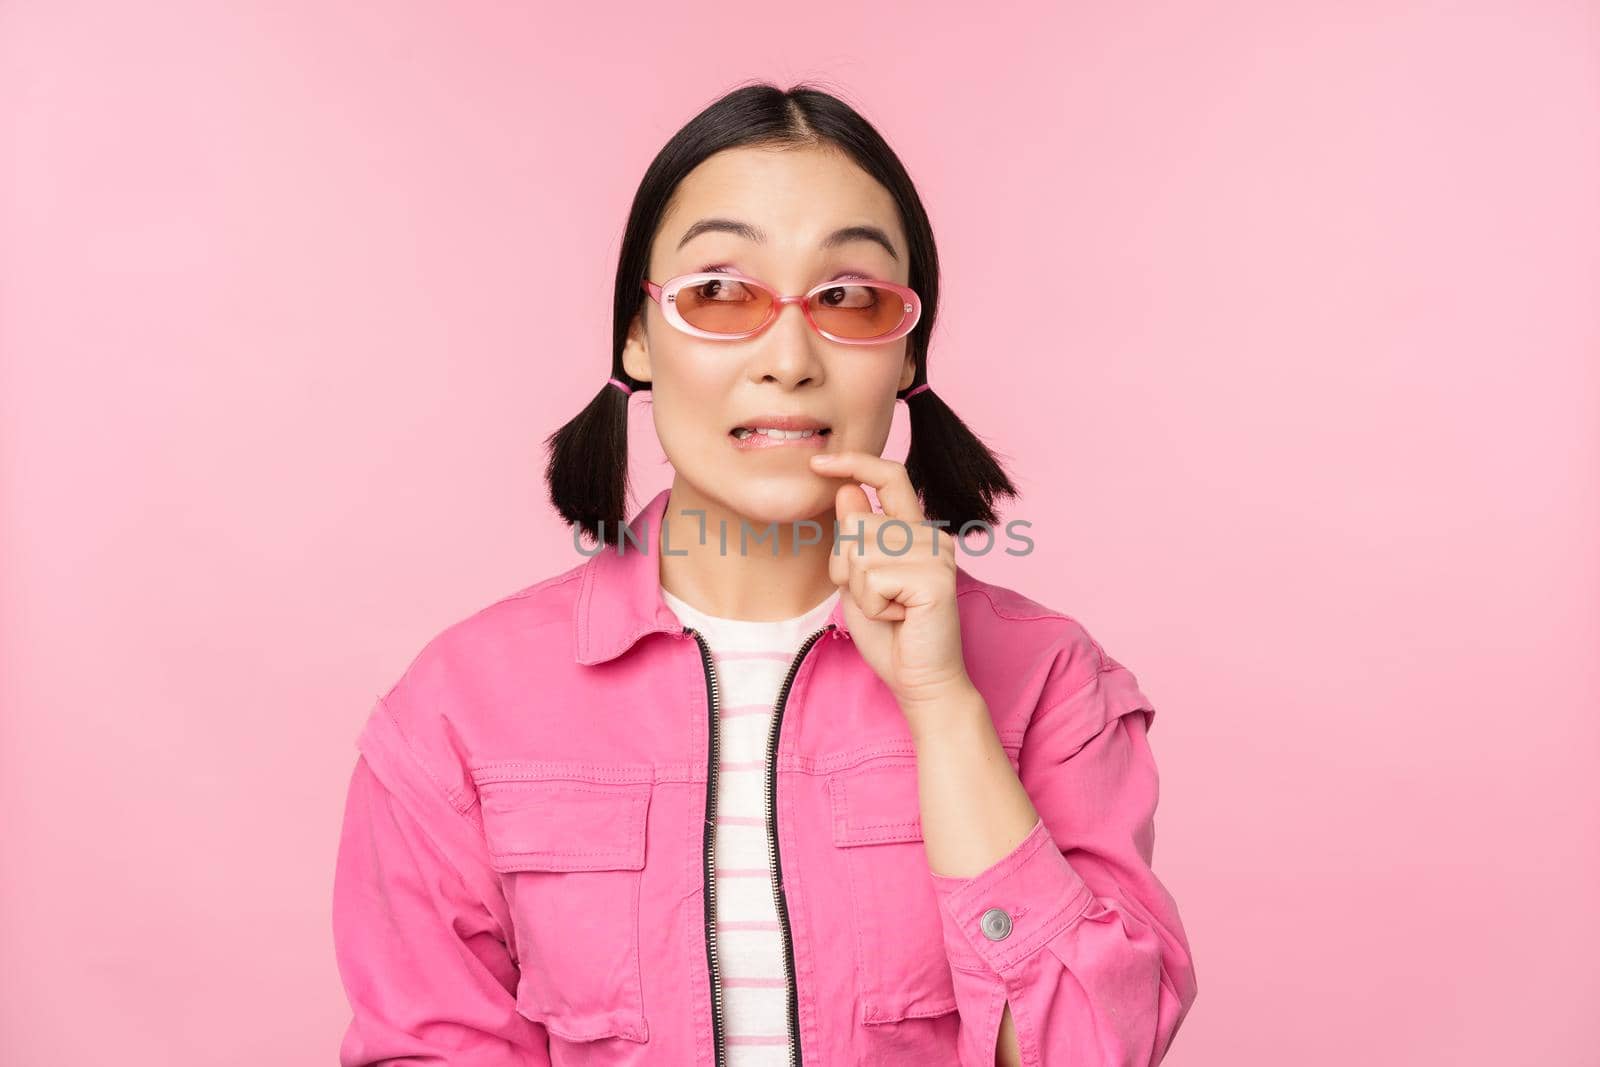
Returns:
(1308, 424)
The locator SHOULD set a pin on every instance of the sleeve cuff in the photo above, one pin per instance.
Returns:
(1000, 916)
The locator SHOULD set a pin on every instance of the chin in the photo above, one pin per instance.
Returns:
(783, 500)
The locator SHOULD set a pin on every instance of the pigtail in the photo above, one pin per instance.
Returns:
(587, 470)
(956, 474)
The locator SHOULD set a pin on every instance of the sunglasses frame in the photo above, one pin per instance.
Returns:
(666, 295)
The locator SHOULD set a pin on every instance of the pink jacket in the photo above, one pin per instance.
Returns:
(522, 875)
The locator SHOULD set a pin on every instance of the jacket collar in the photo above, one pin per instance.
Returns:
(619, 599)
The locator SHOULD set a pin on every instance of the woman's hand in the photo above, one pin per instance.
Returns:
(900, 574)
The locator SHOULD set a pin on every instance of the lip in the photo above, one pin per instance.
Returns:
(781, 422)
(758, 442)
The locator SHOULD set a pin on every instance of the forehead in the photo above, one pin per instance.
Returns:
(795, 196)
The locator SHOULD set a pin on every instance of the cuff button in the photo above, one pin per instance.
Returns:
(996, 924)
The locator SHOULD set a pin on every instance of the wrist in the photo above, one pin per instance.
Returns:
(953, 708)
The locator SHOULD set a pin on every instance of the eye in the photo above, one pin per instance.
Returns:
(848, 296)
(715, 292)
(719, 291)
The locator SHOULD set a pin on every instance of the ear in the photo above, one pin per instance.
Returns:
(636, 351)
(907, 373)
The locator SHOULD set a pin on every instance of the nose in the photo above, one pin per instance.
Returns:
(787, 350)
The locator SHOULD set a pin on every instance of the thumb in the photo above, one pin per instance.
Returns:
(850, 497)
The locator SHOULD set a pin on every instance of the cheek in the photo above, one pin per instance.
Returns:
(690, 367)
(867, 390)
(875, 371)
(689, 388)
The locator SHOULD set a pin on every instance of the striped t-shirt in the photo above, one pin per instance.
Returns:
(751, 661)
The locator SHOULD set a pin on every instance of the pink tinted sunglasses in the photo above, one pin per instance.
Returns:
(722, 306)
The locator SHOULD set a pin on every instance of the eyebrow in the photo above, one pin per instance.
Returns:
(841, 236)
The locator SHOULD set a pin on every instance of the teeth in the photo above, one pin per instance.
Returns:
(778, 435)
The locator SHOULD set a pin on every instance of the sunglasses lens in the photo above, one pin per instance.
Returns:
(858, 310)
(719, 306)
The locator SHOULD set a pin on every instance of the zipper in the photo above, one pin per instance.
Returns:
(790, 987)
(709, 846)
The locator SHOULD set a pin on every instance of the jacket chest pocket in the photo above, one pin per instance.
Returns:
(903, 969)
(571, 857)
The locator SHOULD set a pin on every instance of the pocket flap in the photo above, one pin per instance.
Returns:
(565, 825)
(876, 803)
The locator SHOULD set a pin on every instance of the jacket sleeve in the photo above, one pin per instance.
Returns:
(419, 923)
(1096, 965)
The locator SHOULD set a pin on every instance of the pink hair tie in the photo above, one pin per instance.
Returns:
(626, 389)
(917, 390)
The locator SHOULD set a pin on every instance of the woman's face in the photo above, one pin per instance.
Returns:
(703, 390)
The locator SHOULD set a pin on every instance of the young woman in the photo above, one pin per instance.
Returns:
(767, 777)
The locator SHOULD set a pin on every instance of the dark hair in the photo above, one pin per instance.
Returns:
(954, 473)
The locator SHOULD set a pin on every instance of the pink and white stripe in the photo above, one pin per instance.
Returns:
(751, 661)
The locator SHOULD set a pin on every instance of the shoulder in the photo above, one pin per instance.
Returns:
(473, 670)
(1045, 657)
(1009, 625)
(476, 650)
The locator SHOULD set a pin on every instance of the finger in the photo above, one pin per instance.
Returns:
(883, 585)
(887, 477)
(875, 589)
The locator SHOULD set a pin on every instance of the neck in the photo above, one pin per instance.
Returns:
(748, 580)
